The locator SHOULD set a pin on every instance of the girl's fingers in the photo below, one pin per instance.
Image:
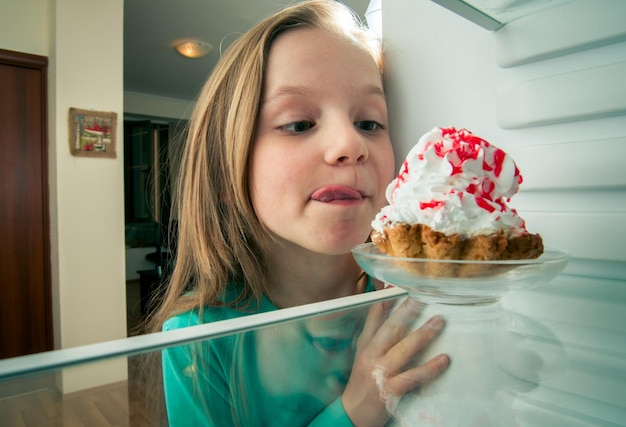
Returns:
(395, 328)
(406, 381)
(398, 356)
(376, 316)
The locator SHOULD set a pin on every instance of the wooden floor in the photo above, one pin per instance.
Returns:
(118, 405)
(36, 402)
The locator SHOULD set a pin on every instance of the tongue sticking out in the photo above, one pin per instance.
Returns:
(330, 194)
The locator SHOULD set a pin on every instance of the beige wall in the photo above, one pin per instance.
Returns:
(24, 26)
(83, 40)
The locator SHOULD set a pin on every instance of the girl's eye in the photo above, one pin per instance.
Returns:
(369, 125)
(298, 127)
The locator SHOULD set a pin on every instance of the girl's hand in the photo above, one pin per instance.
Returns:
(382, 370)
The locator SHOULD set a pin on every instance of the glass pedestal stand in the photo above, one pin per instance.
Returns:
(494, 354)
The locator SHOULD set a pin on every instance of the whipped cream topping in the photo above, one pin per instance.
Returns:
(456, 183)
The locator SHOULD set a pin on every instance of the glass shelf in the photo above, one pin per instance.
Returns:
(495, 14)
(572, 323)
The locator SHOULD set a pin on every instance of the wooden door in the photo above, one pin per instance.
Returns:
(25, 289)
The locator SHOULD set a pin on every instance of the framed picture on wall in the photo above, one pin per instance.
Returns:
(92, 133)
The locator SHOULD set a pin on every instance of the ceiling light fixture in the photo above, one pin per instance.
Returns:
(193, 48)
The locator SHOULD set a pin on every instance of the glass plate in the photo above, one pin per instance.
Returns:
(459, 282)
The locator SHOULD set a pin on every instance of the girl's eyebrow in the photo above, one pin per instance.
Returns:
(286, 91)
(375, 90)
(302, 91)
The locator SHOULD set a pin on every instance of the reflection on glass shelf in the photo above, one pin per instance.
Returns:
(562, 355)
(494, 14)
(38, 400)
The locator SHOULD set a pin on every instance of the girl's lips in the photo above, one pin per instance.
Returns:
(334, 193)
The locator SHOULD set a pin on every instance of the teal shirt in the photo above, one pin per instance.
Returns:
(288, 375)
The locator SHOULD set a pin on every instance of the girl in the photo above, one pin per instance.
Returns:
(285, 165)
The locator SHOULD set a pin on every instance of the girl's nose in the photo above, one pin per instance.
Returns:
(346, 145)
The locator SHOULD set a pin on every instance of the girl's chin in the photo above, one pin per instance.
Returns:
(338, 247)
(326, 241)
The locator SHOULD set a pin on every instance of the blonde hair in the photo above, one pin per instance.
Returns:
(220, 238)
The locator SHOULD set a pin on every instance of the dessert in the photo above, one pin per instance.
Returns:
(449, 202)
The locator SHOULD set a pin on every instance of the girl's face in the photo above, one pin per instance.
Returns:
(322, 157)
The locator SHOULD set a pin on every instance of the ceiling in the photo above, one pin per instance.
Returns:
(152, 66)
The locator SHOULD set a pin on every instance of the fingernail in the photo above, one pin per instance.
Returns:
(443, 360)
(435, 322)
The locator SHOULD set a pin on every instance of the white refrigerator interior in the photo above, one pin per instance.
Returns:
(550, 89)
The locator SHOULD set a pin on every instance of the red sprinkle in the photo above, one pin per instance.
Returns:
(432, 204)
(488, 188)
(483, 203)
(498, 158)
(401, 178)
